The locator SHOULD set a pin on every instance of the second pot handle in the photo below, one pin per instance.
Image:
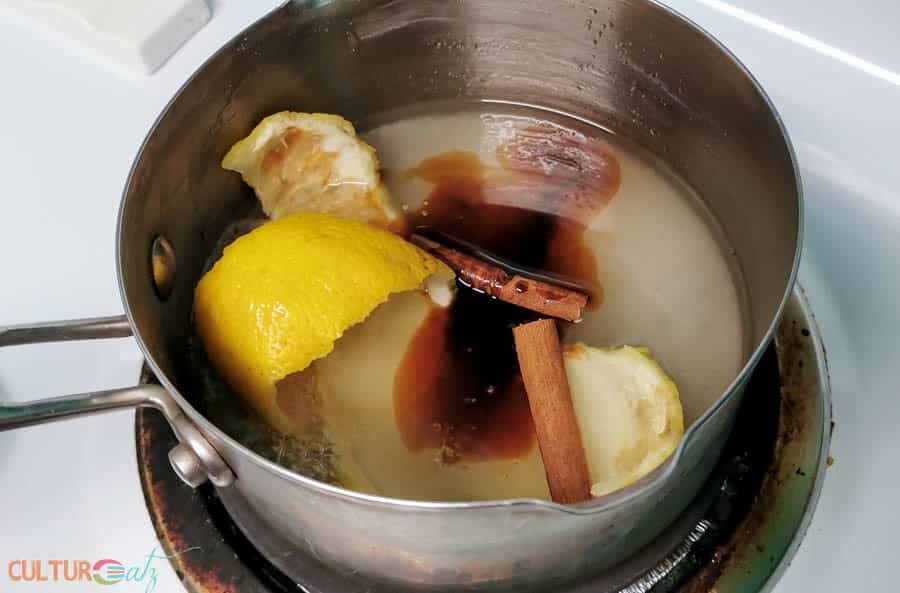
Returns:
(95, 328)
(194, 459)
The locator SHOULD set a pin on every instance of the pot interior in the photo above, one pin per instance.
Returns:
(664, 92)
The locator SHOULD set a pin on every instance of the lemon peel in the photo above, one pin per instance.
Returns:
(283, 294)
(628, 409)
(312, 161)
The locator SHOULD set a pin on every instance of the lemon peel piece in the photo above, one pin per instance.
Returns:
(312, 161)
(628, 411)
(283, 294)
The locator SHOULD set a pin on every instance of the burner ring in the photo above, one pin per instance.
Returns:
(739, 534)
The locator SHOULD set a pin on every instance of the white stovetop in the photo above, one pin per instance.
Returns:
(70, 127)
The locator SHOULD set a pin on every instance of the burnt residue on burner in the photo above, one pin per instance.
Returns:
(797, 444)
(203, 544)
(743, 469)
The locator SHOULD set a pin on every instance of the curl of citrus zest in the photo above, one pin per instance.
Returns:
(283, 294)
(628, 409)
(312, 161)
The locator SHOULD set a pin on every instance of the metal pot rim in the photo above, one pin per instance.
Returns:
(604, 504)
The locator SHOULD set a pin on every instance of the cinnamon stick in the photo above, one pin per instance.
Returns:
(558, 435)
(528, 293)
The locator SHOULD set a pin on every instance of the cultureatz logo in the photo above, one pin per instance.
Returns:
(105, 571)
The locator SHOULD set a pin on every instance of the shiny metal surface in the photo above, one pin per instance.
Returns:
(162, 266)
(629, 65)
(209, 463)
(186, 465)
(97, 328)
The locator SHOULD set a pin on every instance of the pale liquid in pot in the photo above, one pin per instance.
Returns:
(668, 281)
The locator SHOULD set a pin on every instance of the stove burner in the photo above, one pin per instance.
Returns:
(770, 473)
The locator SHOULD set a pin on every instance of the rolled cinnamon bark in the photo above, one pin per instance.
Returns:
(558, 434)
(528, 293)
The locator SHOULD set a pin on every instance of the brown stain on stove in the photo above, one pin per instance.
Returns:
(196, 552)
(198, 568)
(795, 366)
(458, 388)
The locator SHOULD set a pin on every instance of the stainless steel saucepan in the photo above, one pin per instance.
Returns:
(631, 65)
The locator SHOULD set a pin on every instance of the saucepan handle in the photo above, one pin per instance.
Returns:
(193, 459)
(63, 331)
